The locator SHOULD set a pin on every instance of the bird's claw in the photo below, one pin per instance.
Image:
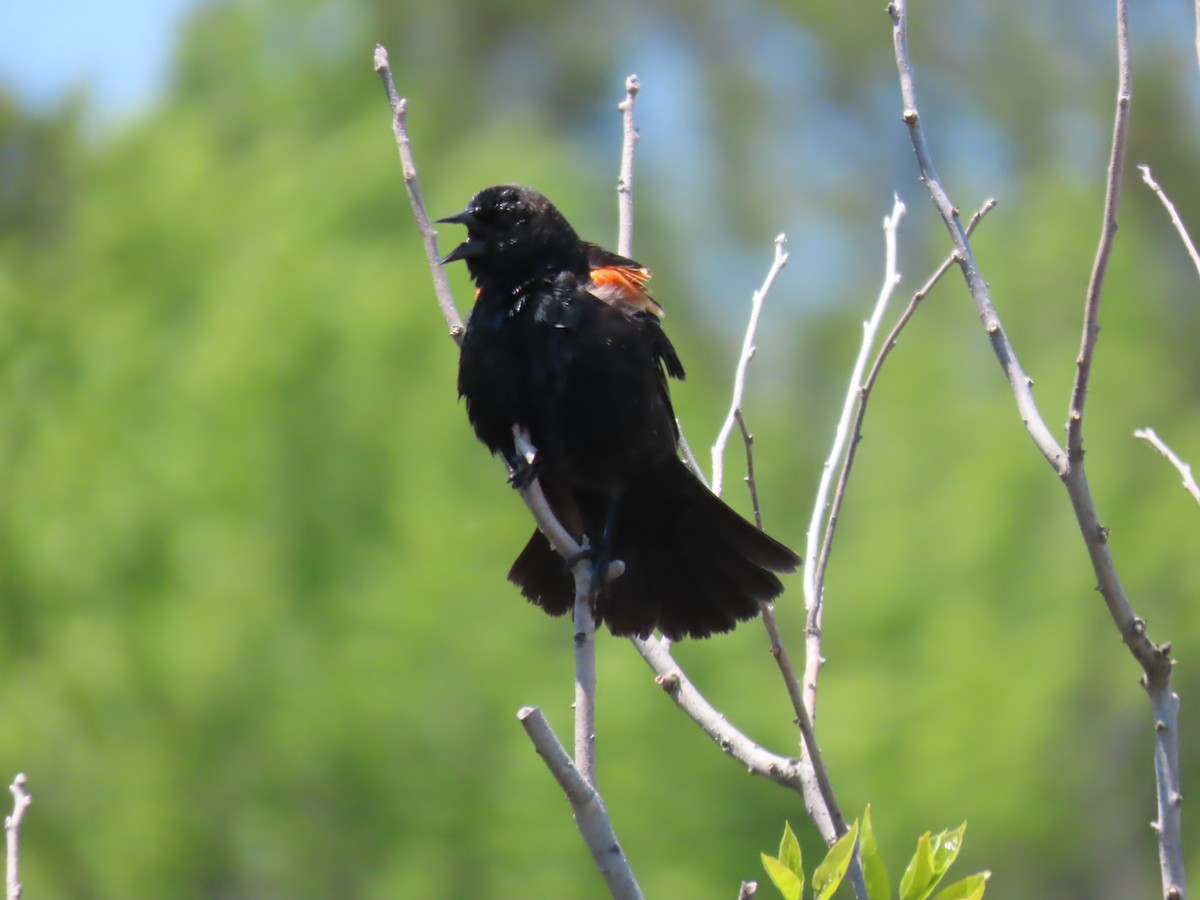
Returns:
(585, 552)
(524, 472)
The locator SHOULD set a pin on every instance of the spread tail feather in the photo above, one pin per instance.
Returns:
(693, 566)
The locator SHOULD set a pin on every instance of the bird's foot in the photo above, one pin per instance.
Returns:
(585, 552)
(524, 472)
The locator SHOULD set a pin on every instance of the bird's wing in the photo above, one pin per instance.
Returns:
(620, 281)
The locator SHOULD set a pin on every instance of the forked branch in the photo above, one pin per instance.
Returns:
(1153, 658)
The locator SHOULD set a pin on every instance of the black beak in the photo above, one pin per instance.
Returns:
(466, 217)
(465, 250)
(471, 246)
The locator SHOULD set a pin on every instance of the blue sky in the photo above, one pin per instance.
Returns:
(118, 50)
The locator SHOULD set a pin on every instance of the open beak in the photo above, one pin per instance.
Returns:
(471, 246)
(465, 250)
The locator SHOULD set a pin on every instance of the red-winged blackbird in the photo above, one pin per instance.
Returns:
(565, 341)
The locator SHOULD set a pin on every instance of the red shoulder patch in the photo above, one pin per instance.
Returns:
(625, 286)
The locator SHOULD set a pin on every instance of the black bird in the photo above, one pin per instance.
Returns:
(565, 341)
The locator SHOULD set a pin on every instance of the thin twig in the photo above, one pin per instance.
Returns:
(12, 833)
(756, 759)
(1021, 384)
(1155, 659)
(816, 787)
(585, 682)
(1132, 629)
(815, 778)
(441, 285)
(625, 178)
(1185, 471)
(739, 378)
(1108, 235)
(585, 626)
(629, 139)
(1173, 213)
(812, 758)
(751, 483)
(747, 890)
(587, 806)
(814, 601)
(885, 350)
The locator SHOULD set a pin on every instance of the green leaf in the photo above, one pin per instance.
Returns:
(789, 851)
(832, 870)
(969, 888)
(918, 877)
(879, 886)
(790, 884)
(945, 849)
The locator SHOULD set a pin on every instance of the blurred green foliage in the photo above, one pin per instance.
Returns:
(257, 638)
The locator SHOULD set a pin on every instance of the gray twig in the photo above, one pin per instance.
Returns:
(747, 890)
(1021, 384)
(585, 627)
(1108, 235)
(751, 482)
(814, 600)
(1185, 471)
(625, 178)
(1173, 213)
(587, 807)
(12, 832)
(1155, 659)
(739, 377)
(441, 284)
(629, 139)
(757, 760)
(819, 784)
(839, 493)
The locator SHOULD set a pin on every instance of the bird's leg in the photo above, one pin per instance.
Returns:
(523, 471)
(602, 554)
(524, 462)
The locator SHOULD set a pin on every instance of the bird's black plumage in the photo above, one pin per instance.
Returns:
(564, 341)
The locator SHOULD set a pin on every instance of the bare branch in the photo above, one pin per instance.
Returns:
(625, 179)
(1185, 471)
(756, 759)
(1154, 658)
(12, 832)
(813, 590)
(441, 285)
(751, 484)
(585, 626)
(747, 890)
(1022, 384)
(1171, 211)
(1108, 234)
(817, 788)
(739, 378)
(813, 761)
(585, 681)
(587, 806)
(1169, 790)
(629, 139)
(885, 350)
